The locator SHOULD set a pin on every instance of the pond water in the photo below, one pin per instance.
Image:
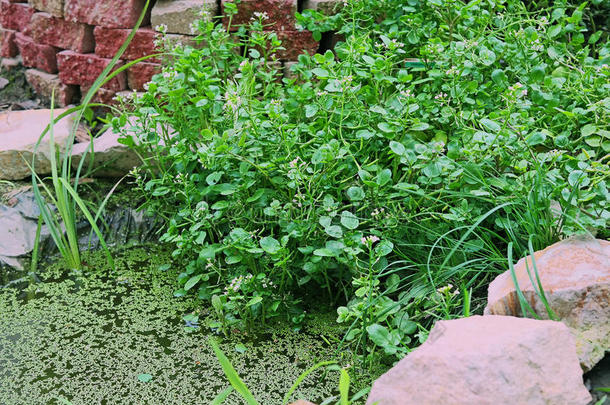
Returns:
(87, 337)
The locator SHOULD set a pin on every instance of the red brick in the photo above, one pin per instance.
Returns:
(296, 43)
(109, 40)
(141, 73)
(49, 30)
(84, 69)
(36, 55)
(15, 16)
(47, 85)
(102, 96)
(8, 46)
(107, 13)
(280, 13)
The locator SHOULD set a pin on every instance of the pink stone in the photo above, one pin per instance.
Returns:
(15, 16)
(47, 85)
(109, 40)
(49, 30)
(36, 55)
(280, 13)
(296, 43)
(107, 13)
(84, 69)
(140, 74)
(487, 360)
(8, 46)
(575, 276)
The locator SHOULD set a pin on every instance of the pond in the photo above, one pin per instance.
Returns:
(98, 336)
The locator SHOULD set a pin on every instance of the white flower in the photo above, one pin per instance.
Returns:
(454, 70)
(445, 289)
(161, 28)
(369, 240)
(257, 15)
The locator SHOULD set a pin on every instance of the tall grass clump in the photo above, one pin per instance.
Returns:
(63, 190)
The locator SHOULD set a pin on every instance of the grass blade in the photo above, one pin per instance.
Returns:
(300, 379)
(220, 398)
(525, 306)
(344, 387)
(232, 375)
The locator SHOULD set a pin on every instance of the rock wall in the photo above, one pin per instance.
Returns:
(67, 43)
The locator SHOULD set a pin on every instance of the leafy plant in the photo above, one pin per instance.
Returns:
(366, 180)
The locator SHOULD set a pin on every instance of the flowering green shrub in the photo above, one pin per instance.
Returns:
(371, 179)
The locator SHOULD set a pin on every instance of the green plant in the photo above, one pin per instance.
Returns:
(63, 194)
(368, 182)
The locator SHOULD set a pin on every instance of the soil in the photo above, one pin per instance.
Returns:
(15, 91)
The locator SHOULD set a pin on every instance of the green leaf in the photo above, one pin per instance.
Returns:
(311, 110)
(232, 375)
(258, 194)
(384, 248)
(192, 281)
(322, 73)
(334, 230)
(270, 245)
(145, 377)
(344, 388)
(383, 177)
(355, 193)
(325, 252)
(349, 220)
(536, 138)
(240, 348)
(421, 126)
(254, 301)
(588, 129)
(488, 57)
(397, 147)
(368, 60)
(385, 127)
(220, 205)
(576, 177)
(498, 76)
(554, 30)
(379, 335)
(491, 125)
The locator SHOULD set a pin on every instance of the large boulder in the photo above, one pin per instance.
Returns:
(487, 360)
(575, 276)
(19, 133)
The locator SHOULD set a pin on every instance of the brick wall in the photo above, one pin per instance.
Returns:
(67, 43)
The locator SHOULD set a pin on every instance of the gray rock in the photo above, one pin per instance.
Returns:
(178, 15)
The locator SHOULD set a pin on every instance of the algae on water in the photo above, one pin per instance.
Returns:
(89, 337)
